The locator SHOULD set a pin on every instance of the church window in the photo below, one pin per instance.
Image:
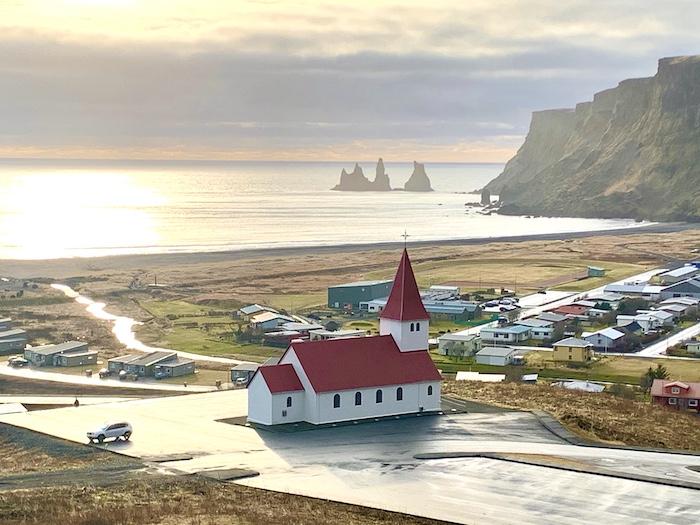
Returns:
(358, 399)
(412, 327)
(399, 394)
(289, 401)
(336, 401)
(430, 390)
(379, 396)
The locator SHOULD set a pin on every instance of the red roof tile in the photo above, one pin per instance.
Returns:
(362, 362)
(662, 388)
(281, 378)
(404, 300)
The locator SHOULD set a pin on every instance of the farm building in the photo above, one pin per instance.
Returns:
(267, 321)
(12, 340)
(249, 311)
(350, 295)
(573, 350)
(459, 344)
(495, 355)
(163, 363)
(71, 353)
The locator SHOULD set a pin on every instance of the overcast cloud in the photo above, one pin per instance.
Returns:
(326, 80)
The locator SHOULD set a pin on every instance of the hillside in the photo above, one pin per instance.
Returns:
(634, 151)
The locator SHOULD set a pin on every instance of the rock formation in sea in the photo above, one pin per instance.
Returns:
(419, 180)
(634, 151)
(485, 197)
(356, 180)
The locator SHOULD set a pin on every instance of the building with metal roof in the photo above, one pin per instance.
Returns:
(350, 295)
(495, 355)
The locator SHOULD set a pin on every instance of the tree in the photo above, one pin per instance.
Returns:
(647, 379)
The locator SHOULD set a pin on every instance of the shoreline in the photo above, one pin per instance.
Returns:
(36, 268)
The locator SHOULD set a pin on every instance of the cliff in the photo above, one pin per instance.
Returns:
(419, 180)
(633, 151)
(356, 180)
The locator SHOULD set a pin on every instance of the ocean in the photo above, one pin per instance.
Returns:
(54, 209)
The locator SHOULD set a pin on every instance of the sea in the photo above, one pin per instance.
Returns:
(60, 208)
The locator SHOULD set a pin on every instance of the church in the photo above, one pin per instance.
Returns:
(330, 381)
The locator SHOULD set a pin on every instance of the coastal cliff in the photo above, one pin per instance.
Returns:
(419, 180)
(634, 151)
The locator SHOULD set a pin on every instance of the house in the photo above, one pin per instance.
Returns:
(648, 323)
(249, 311)
(162, 363)
(350, 295)
(573, 350)
(664, 317)
(539, 329)
(679, 274)
(495, 355)
(459, 344)
(5, 324)
(336, 334)
(573, 311)
(677, 310)
(607, 340)
(70, 353)
(693, 347)
(350, 379)
(302, 328)
(505, 334)
(596, 271)
(680, 395)
(688, 301)
(611, 300)
(267, 321)
(12, 340)
(243, 373)
(688, 288)
(557, 320)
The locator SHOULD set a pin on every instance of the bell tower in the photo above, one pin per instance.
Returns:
(404, 317)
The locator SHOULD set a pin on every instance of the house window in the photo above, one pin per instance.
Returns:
(336, 401)
(289, 401)
(672, 401)
(379, 396)
(399, 394)
(675, 390)
(430, 390)
(692, 402)
(358, 399)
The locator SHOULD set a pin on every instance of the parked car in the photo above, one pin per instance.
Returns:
(111, 430)
(18, 362)
(104, 373)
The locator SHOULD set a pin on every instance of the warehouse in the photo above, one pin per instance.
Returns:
(12, 340)
(71, 353)
(350, 295)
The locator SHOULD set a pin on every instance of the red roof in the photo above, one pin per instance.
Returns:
(281, 378)
(362, 362)
(404, 300)
(662, 388)
(571, 309)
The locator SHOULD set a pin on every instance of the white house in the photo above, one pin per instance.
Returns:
(495, 355)
(328, 381)
(607, 340)
(505, 334)
(539, 328)
(666, 318)
(459, 344)
(646, 322)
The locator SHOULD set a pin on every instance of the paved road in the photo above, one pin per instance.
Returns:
(143, 384)
(659, 349)
(62, 400)
(373, 464)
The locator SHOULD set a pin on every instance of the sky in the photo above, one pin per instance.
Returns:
(315, 80)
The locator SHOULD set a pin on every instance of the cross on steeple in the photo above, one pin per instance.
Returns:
(405, 237)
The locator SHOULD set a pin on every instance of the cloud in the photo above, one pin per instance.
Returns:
(318, 77)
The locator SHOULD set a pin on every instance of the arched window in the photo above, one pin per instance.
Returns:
(289, 401)
(399, 394)
(336, 401)
(430, 390)
(358, 399)
(417, 327)
(379, 397)
(413, 327)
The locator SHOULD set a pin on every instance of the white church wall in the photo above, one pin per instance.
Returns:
(282, 413)
(259, 401)
(311, 398)
(404, 337)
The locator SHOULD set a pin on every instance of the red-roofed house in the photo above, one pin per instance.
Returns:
(572, 310)
(334, 380)
(682, 395)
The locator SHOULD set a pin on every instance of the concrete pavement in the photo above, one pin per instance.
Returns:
(373, 464)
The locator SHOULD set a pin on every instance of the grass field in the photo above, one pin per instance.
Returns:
(615, 272)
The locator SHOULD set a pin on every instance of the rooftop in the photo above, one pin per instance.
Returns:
(361, 283)
(280, 378)
(513, 329)
(681, 272)
(573, 341)
(535, 323)
(269, 316)
(69, 346)
(153, 358)
(362, 362)
(15, 332)
(404, 301)
(496, 351)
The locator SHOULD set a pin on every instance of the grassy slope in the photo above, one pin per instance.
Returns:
(601, 416)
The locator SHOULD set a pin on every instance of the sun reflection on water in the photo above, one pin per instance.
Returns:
(54, 214)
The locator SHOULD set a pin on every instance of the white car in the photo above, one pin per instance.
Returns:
(111, 430)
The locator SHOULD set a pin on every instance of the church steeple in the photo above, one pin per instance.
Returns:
(404, 316)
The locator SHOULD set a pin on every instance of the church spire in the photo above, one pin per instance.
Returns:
(405, 303)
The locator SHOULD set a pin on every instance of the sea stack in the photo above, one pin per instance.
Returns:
(419, 180)
(381, 179)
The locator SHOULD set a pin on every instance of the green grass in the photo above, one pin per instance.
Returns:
(615, 272)
(296, 302)
(179, 308)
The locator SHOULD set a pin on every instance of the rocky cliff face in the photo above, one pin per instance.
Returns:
(356, 180)
(634, 151)
(419, 180)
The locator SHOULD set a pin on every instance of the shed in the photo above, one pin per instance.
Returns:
(495, 355)
(596, 271)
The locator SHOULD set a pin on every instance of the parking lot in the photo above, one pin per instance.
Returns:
(373, 464)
